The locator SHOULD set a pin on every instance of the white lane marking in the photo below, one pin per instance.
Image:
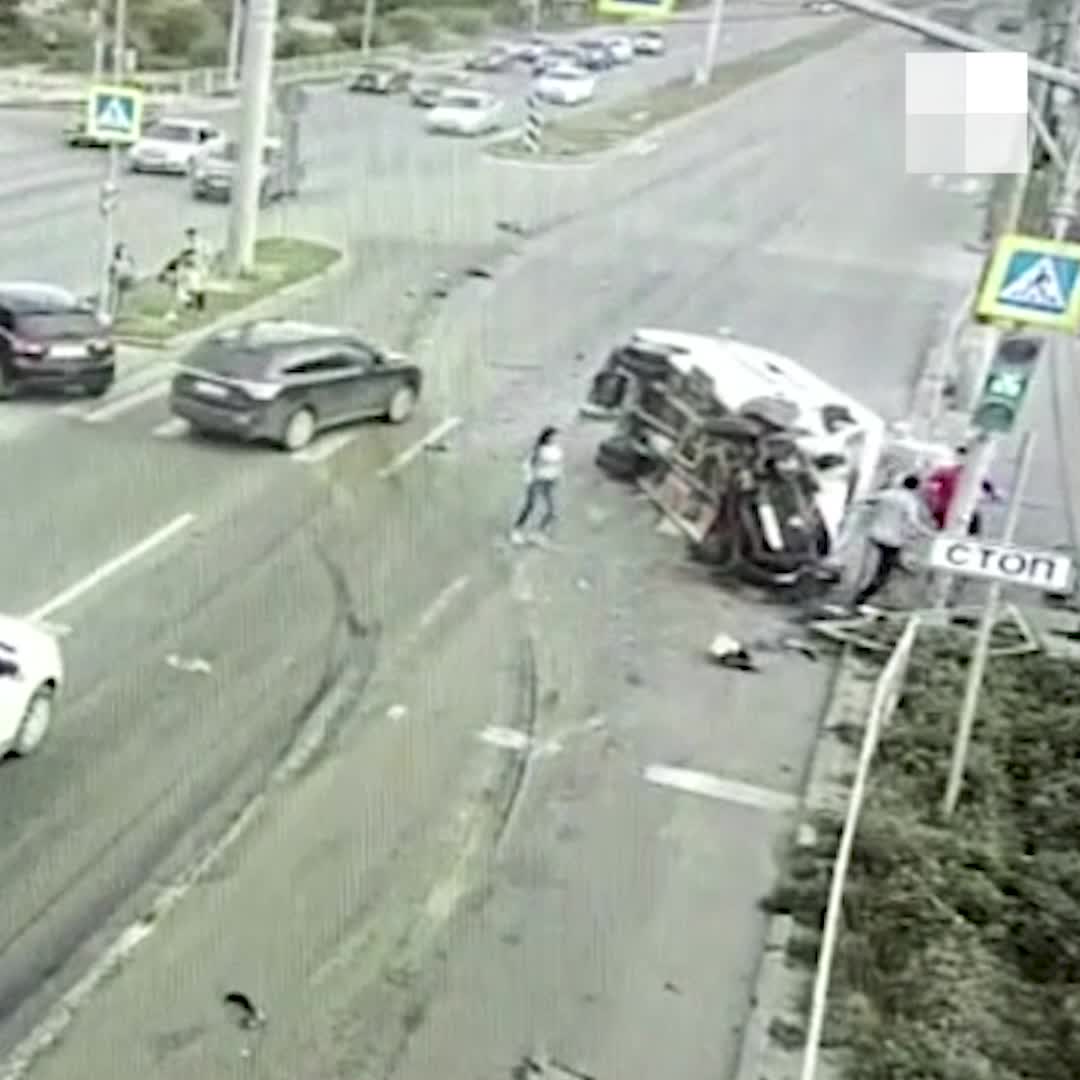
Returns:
(58, 630)
(113, 566)
(406, 457)
(125, 404)
(173, 428)
(193, 665)
(716, 787)
(438, 606)
(324, 447)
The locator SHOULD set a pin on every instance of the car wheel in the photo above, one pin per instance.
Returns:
(35, 722)
(99, 387)
(299, 429)
(7, 390)
(401, 405)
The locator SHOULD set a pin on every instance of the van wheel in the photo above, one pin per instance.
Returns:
(401, 405)
(299, 430)
(99, 387)
(7, 390)
(35, 722)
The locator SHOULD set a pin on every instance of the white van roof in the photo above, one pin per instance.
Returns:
(741, 373)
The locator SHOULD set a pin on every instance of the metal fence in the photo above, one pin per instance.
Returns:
(887, 692)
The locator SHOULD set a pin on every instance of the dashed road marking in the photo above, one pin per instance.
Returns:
(324, 447)
(409, 454)
(716, 787)
(126, 404)
(173, 428)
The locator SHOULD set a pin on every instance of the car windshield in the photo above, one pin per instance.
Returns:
(51, 313)
(171, 133)
(565, 73)
(437, 78)
(454, 100)
(232, 360)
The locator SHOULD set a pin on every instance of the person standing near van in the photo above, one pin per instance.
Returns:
(897, 516)
(543, 472)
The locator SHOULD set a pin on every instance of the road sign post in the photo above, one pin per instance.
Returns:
(1024, 570)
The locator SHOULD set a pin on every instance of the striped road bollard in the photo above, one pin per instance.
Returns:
(534, 125)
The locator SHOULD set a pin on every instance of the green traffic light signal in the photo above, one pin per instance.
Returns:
(1007, 384)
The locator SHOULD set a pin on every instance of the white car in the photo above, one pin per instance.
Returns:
(565, 84)
(621, 49)
(172, 146)
(31, 672)
(465, 112)
(650, 43)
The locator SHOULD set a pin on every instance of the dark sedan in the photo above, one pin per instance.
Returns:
(52, 340)
(595, 55)
(380, 78)
(497, 58)
(284, 382)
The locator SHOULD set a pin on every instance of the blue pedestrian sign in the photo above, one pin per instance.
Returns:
(114, 114)
(1032, 281)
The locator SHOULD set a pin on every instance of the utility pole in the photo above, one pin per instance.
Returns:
(981, 651)
(712, 44)
(110, 189)
(100, 32)
(534, 16)
(257, 75)
(368, 31)
(981, 452)
(236, 35)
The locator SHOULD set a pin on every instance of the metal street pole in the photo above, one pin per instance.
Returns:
(960, 39)
(257, 76)
(236, 33)
(367, 33)
(981, 651)
(712, 44)
(110, 189)
(100, 35)
(980, 456)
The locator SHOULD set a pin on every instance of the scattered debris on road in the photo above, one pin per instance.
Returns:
(541, 1067)
(194, 665)
(728, 652)
(244, 1011)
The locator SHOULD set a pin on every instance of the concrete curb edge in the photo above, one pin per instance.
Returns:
(776, 984)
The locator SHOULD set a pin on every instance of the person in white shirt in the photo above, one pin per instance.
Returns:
(897, 515)
(543, 471)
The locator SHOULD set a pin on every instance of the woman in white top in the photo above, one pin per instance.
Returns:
(543, 471)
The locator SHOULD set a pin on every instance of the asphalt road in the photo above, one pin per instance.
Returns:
(785, 216)
(49, 193)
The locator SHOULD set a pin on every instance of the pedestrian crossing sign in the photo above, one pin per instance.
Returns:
(640, 9)
(1032, 281)
(114, 114)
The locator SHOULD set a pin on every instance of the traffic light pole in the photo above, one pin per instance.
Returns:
(983, 636)
(110, 189)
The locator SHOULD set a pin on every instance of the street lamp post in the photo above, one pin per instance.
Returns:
(712, 44)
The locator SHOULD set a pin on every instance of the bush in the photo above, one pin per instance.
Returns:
(468, 22)
(172, 27)
(351, 31)
(960, 953)
(292, 43)
(414, 26)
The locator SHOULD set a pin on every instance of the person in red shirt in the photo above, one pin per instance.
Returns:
(941, 487)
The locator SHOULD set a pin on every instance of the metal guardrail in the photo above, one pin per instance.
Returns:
(887, 692)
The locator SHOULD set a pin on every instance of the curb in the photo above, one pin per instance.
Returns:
(778, 988)
(626, 146)
(258, 309)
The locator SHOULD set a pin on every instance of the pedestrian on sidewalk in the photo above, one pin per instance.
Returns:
(121, 278)
(543, 471)
(942, 486)
(897, 515)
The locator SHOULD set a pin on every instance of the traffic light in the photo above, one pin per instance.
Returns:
(1007, 384)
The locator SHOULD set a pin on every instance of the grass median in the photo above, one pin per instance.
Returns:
(592, 132)
(280, 262)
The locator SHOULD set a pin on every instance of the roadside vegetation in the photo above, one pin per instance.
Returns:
(193, 33)
(959, 957)
(280, 262)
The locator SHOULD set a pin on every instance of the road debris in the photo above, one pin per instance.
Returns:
(478, 272)
(515, 228)
(728, 652)
(542, 1067)
(244, 1011)
(193, 665)
(396, 713)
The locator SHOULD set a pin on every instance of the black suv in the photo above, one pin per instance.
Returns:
(283, 382)
(52, 340)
